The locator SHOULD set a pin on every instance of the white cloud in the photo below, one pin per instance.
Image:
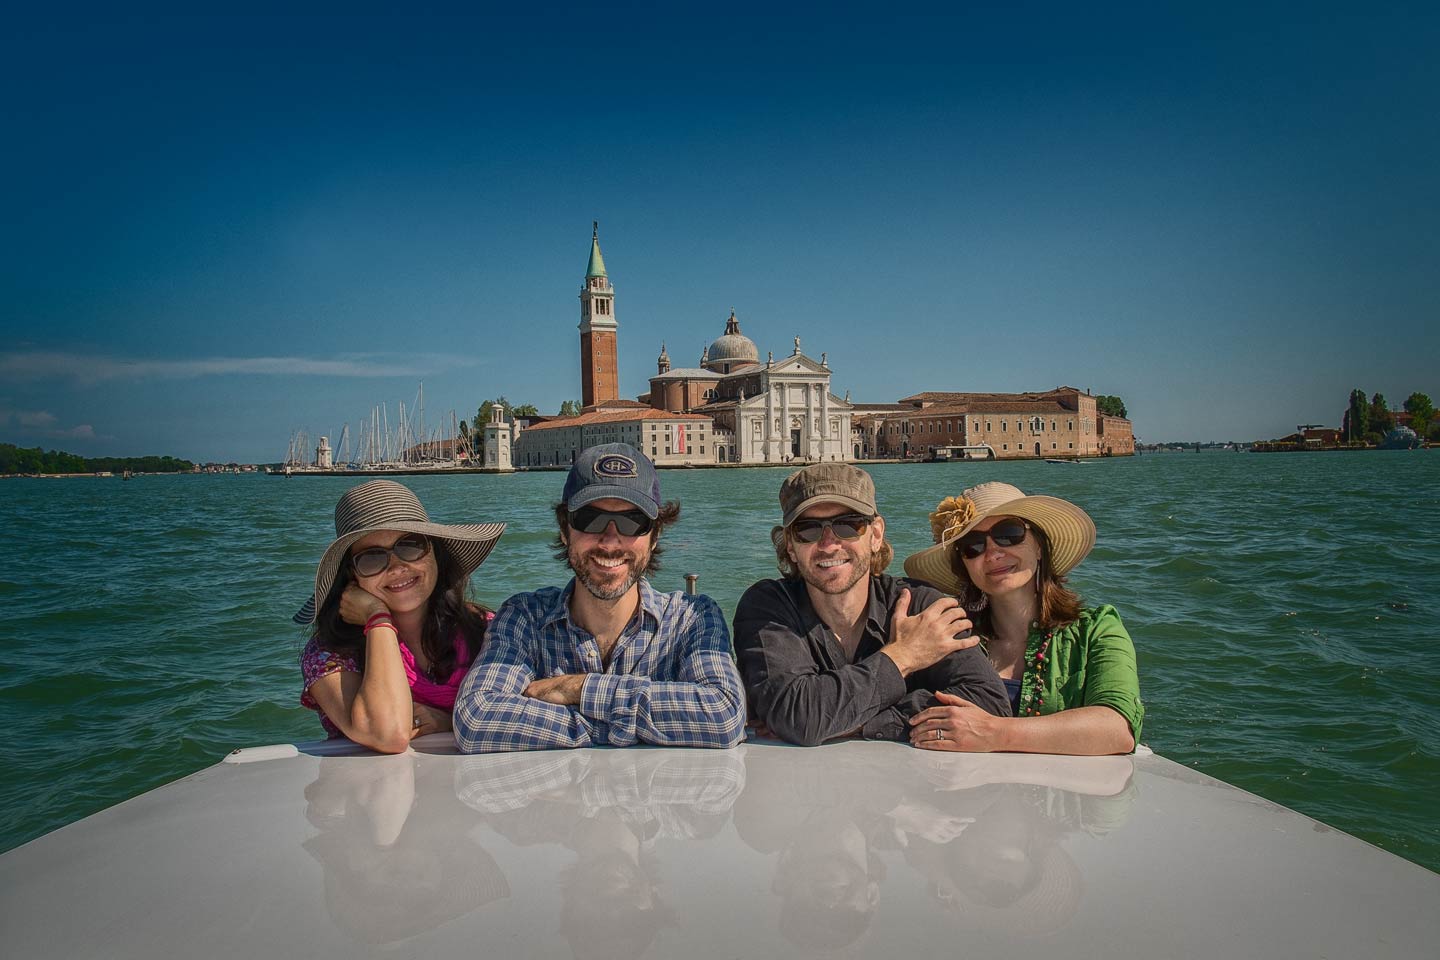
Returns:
(42, 424)
(93, 368)
(37, 419)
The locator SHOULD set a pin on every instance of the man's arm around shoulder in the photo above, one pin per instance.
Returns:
(965, 672)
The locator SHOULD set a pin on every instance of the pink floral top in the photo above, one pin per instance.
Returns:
(317, 662)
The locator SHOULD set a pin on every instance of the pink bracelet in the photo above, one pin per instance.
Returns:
(384, 621)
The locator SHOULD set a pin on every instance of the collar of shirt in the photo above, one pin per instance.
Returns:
(877, 613)
(559, 612)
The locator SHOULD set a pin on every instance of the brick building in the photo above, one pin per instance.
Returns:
(669, 439)
(1062, 422)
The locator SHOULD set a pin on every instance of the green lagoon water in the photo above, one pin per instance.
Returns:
(1284, 608)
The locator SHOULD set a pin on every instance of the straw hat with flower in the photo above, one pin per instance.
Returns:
(1069, 530)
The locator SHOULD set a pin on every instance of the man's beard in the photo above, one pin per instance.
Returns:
(594, 579)
(860, 568)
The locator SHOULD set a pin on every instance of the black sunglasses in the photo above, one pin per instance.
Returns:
(1006, 533)
(628, 523)
(847, 526)
(373, 561)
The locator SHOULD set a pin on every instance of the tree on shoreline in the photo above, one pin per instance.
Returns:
(1111, 406)
(15, 459)
(1357, 418)
(1382, 421)
(1421, 411)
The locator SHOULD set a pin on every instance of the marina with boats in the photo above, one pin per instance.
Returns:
(383, 448)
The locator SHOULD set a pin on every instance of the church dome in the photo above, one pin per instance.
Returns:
(733, 347)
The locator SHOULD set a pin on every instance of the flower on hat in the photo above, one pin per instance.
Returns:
(951, 515)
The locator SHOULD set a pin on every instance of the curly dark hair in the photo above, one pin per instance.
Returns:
(448, 611)
(668, 515)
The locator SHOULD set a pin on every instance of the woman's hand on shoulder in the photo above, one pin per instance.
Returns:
(358, 606)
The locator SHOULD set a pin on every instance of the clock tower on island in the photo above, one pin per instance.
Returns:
(599, 377)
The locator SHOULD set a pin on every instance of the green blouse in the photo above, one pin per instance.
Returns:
(1086, 663)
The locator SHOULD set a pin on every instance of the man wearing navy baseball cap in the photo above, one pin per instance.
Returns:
(607, 659)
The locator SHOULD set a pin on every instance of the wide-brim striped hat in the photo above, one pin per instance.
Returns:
(1069, 530)
(387, 505)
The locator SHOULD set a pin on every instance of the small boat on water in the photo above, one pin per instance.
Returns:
(954, 453)
(1072, 462)
(1401, 438)
(865, 849)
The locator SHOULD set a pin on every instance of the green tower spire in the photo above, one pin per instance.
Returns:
(597, 262)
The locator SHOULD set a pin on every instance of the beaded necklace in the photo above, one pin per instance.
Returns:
(1030, 704)
(1030, 678)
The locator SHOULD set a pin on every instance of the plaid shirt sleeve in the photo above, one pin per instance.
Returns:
(703, 706)
(492, 712)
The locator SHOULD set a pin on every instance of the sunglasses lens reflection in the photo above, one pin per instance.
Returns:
(630, 523)
(844, 528)
(1006, 534)
(375, 560)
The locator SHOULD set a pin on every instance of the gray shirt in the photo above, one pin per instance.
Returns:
(803, 686)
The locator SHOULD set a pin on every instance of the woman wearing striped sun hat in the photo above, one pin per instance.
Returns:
(1070, 670)
(394, 634)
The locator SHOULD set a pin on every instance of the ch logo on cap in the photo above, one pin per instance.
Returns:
(615, 465)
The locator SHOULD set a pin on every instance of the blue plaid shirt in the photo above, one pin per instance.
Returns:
(671, 679)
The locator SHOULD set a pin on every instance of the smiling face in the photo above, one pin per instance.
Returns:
(832, 565)
(404, 585)
(1001, 570)
(607, 564)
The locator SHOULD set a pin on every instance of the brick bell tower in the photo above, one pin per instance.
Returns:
(599, 379)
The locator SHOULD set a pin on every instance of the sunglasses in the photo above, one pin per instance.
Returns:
(847, 526)
(1006, 533)
(373, 561)
(628, 523)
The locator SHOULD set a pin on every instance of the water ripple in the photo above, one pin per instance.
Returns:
(1281, 607)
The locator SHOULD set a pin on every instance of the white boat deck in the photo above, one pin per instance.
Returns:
(856, 849)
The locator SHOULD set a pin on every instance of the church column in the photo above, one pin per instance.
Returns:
(785, 450)
(830, 440)
(769, 432)
(813, 429)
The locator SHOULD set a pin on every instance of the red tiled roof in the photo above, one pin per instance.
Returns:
(613, 405)
(1019, 406)
(940, 396)
(615, 416)
(988, 406)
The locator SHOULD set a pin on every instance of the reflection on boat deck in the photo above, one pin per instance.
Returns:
(854, 849)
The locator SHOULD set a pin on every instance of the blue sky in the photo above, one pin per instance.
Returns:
(218, 230)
